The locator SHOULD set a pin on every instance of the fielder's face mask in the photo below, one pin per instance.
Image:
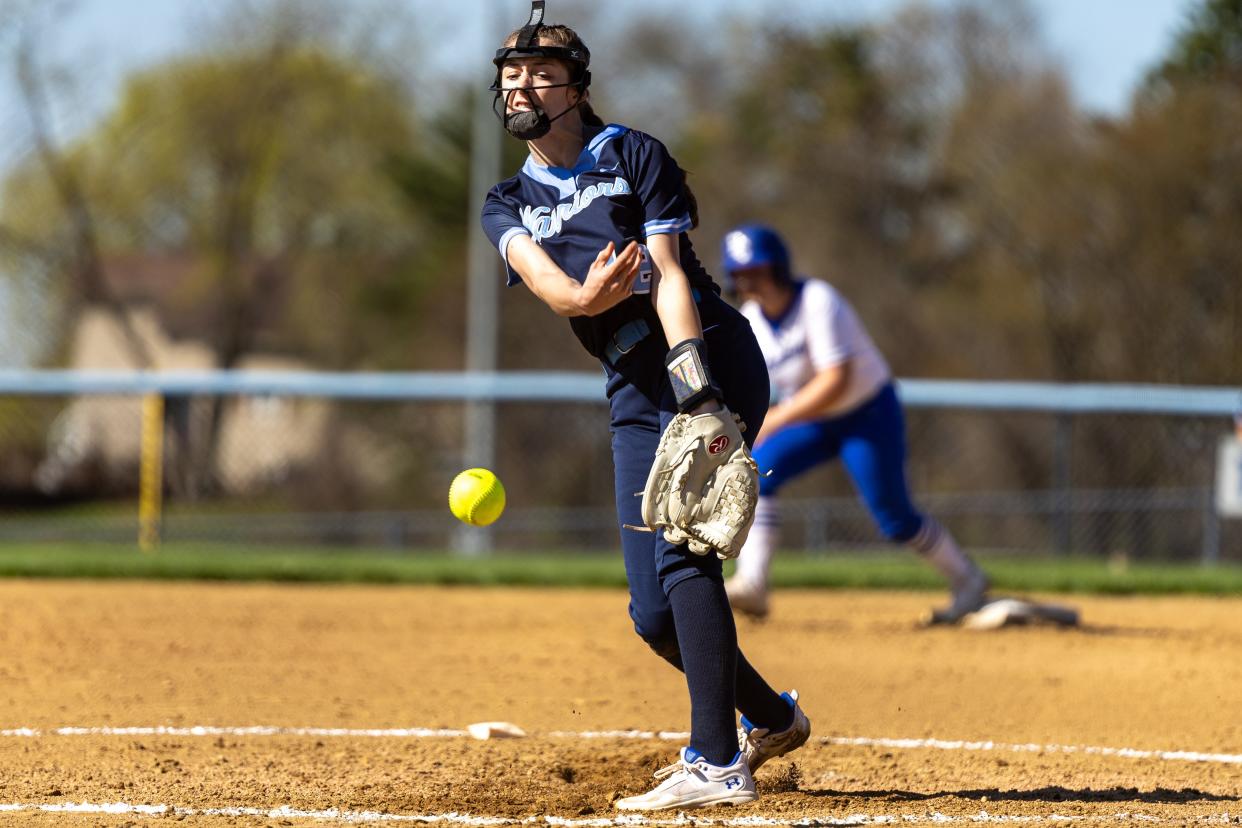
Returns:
(535, 123)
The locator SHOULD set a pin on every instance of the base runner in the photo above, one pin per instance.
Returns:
(834, 398)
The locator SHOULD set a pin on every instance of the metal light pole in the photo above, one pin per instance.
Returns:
(483, 283)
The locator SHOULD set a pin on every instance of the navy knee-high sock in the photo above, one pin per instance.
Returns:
(759, 703)
(754, 697)
(708, 643)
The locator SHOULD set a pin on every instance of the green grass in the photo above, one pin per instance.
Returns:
(886, 569)
(1029, 573)
(310, 564)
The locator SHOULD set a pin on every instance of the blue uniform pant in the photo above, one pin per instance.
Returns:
(870, 440)
(642, 404)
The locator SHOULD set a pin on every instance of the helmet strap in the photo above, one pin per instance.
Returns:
(530, 32)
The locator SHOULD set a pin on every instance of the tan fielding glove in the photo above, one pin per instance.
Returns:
(703, 485)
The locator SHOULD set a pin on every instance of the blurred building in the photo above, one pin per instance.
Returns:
(259, 439)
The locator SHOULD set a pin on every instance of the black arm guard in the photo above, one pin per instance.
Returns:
(688, 374)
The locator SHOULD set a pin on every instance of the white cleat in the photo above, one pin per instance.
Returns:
(693, 782)
(747, 597)
(759, 744)
(969, 595)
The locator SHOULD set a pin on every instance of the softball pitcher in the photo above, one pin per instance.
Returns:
(595, 223)
(835, 398)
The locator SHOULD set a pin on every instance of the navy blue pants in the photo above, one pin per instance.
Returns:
(642, 404)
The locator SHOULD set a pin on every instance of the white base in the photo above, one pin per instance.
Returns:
(1229, 478)
(1008, 612)
(495, 730)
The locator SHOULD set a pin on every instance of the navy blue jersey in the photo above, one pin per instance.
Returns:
(624, 187)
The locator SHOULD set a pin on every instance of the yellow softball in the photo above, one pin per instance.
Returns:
(476, 497)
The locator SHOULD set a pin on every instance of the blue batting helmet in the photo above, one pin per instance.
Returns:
(754, 245)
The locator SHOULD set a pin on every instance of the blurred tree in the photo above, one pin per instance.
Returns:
(265, 161)
(849, 139)
(808, 142)
(1209, 46)
(49, 274)
(1115, 234)
(262, 166)
(1006, 150)
(268, 164)
(1182, 250)
(64, 261)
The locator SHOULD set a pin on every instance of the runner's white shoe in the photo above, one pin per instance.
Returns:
(969, 595)
(760, 744)
(747, 597)
(693, 782)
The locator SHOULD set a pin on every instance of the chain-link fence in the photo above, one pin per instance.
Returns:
(264, 469)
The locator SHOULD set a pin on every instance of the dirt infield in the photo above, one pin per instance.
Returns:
(1144, 676)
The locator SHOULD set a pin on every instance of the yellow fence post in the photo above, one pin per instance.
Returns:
(151, 473)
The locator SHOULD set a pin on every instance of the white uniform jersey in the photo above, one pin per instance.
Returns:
(820, 329)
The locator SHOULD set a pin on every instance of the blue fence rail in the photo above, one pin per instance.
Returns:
(551, 386)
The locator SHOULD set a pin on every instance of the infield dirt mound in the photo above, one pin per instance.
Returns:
(1146, 674)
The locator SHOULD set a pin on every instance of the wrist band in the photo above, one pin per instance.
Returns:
(687, 373)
